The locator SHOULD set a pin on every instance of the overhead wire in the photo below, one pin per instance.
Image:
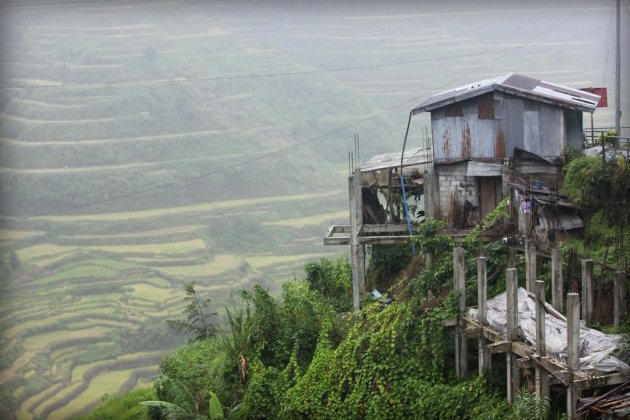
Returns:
(176, 80)
(272, 153)
(58, 3)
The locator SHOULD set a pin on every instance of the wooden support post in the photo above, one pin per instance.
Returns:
(557, 289)
(513, 373)
(542, 382)
(573, 350)
(459, 278)
(530, 264)
(485, 357)
(357, 250)
(620, 297)
(587, 290)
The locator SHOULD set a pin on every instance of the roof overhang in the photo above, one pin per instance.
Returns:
(518, 85)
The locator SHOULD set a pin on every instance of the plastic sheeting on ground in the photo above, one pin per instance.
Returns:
(595, 347)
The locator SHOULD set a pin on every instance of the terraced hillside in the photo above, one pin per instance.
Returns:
(144, 145)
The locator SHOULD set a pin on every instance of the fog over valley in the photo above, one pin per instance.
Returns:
(145, 145)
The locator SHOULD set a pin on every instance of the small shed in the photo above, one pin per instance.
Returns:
(476, 130)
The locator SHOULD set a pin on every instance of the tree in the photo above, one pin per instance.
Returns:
(200, 321)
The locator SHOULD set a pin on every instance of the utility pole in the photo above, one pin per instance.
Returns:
(618, 77)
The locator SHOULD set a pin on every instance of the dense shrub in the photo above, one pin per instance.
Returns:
(124, 407)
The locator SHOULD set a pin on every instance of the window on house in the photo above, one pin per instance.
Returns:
(485, 107)
(454, 110)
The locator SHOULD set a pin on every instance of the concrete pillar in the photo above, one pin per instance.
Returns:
(485, 357)
(357, 250)
(620, 297)
(557, 291)
(431, 194)
(513, 373)
(461, 344)
(530, 264)
(573, 349)
(587, 290)
(542, 382)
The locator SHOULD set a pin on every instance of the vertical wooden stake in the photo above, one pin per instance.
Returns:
(542, 382)
(513, 373)
(485, 358)
(573, 349)
(461, 345)
(587, 290)
(620, 297)
(530, 264)
(557, 290)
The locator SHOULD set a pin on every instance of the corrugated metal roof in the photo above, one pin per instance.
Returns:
(519, 85)
(392, 160)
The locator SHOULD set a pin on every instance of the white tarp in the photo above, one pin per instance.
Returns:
(595, 346)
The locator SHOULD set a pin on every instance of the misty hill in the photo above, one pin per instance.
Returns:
(226, 129)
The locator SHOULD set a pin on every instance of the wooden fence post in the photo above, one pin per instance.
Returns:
(461, 345)
(587, 290)
(530, 265)
(485, 357)
(542, 382)
(573, 350)
(557, 292)
(513, 373)
(620, 297)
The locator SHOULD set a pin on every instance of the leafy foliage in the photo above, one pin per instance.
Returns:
(200, 365)
(386, 261)
(295, 357)
(598, 185)
(333, 279)
(124, 407)
(530, 406)
(183, 405)
(430, 240)
(199, 320)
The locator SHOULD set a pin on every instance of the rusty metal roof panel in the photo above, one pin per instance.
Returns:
(519, 85)
(392, 160)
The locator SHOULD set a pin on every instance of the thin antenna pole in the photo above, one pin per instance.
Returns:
(618, 78)
(358, 150)
(349, 167)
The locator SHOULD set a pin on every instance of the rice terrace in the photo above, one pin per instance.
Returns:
(148, 145)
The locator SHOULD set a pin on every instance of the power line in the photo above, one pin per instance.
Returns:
(248, 76)
(283, 74)
(276, 152)
(214, 171)
(59, 3)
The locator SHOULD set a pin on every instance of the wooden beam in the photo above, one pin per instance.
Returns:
(499, 347)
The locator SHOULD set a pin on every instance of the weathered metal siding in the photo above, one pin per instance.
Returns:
(466, 136)
(534, 126)
(551, 125)
(513, 123)
(574, 129)
(492, 125)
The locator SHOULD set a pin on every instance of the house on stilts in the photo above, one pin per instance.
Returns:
(504, 137)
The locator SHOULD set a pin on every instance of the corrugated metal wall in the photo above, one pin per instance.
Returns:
(492, 125)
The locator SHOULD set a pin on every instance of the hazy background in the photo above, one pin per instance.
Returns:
(147, 144)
